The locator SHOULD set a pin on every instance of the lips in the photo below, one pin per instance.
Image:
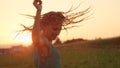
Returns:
(54, 36)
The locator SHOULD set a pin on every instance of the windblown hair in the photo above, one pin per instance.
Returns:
(69, 17)
(51, 17)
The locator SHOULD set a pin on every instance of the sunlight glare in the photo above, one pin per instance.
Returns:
(24, 38)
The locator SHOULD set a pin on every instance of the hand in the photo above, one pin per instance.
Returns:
(37, 4)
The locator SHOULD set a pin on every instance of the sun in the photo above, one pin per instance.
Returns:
(24, 38)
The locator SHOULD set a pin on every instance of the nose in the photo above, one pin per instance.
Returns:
(57, 32)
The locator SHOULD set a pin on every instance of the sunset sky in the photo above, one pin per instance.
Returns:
(104, 22)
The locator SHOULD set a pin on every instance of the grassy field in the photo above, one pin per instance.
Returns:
(101, 53)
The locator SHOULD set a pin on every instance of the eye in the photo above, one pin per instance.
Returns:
(55, 29)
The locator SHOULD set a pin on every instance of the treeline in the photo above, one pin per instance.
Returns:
(75, 40)
(58, 41)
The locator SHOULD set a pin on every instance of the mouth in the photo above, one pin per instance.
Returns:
(54, 36)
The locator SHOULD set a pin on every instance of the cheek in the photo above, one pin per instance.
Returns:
(50, 33)
(56, 33)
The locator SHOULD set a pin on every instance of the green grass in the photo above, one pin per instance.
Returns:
(89, 54)
(16, 61)
(86, 57)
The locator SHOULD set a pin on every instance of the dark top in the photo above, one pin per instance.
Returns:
(53, 61)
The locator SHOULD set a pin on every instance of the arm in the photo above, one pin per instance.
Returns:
(36, 26)
(38, 39)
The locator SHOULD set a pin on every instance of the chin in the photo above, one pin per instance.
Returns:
(53, 38)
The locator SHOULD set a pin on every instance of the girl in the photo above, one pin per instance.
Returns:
(45, 29)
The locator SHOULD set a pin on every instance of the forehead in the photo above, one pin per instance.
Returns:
(56, 25)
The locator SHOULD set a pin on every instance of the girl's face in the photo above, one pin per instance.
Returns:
(52, 31)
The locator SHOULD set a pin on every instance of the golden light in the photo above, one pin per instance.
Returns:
(24, 38)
